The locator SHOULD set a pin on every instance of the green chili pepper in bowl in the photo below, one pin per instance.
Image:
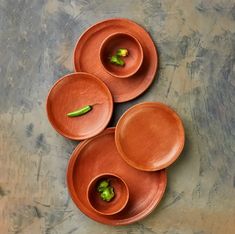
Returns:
(105, 190)
(107, 194)
(122, 52)
(80, 111)
(103, 185)
(117, 60)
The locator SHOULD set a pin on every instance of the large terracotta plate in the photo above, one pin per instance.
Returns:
(99, 155)
(86, 58)
(150, 136)
(73, 92)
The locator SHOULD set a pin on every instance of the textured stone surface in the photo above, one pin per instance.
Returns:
(196, 43)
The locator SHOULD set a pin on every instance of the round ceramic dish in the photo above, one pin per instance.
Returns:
(73, 92)
(133, 60)
(99, 155)
(150, 136)
(86, 58)
(119, 200)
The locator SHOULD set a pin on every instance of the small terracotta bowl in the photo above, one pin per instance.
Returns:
(133, 60)
(119, 200)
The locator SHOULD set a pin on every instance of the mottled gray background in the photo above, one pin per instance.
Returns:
(196, 44)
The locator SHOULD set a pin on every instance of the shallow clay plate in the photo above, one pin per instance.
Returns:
(86, 58)
(73, 92)
(99, 155)
(150, 136)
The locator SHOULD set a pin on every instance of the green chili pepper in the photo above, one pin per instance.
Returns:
(122, 52)
(117, 60)
(106, 191)
(107, 194)
(80, 111)
(103, 184)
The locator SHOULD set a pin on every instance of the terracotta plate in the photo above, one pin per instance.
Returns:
(150, 136)
(73, 92)
(99, 155)
(86, 58)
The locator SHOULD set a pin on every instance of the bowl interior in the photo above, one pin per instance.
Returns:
(132, 62)
(118, 202)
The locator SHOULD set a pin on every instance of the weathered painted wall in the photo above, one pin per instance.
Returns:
(196, 44)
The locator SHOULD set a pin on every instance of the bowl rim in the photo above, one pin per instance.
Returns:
(106, 40)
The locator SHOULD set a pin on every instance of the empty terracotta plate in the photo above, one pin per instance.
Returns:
(73, 92)
(119, 191)
(132, 60)
(150, 136)
(86, 58)
(99, 155)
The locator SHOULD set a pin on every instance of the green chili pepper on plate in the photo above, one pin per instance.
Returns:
(80, 111)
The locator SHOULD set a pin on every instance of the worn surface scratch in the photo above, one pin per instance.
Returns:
(196, 77)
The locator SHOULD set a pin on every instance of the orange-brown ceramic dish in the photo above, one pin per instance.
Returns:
(150, 136)
(99, 155)
(133, 60)
(86, 58)
(119, 200)
(73, 92)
